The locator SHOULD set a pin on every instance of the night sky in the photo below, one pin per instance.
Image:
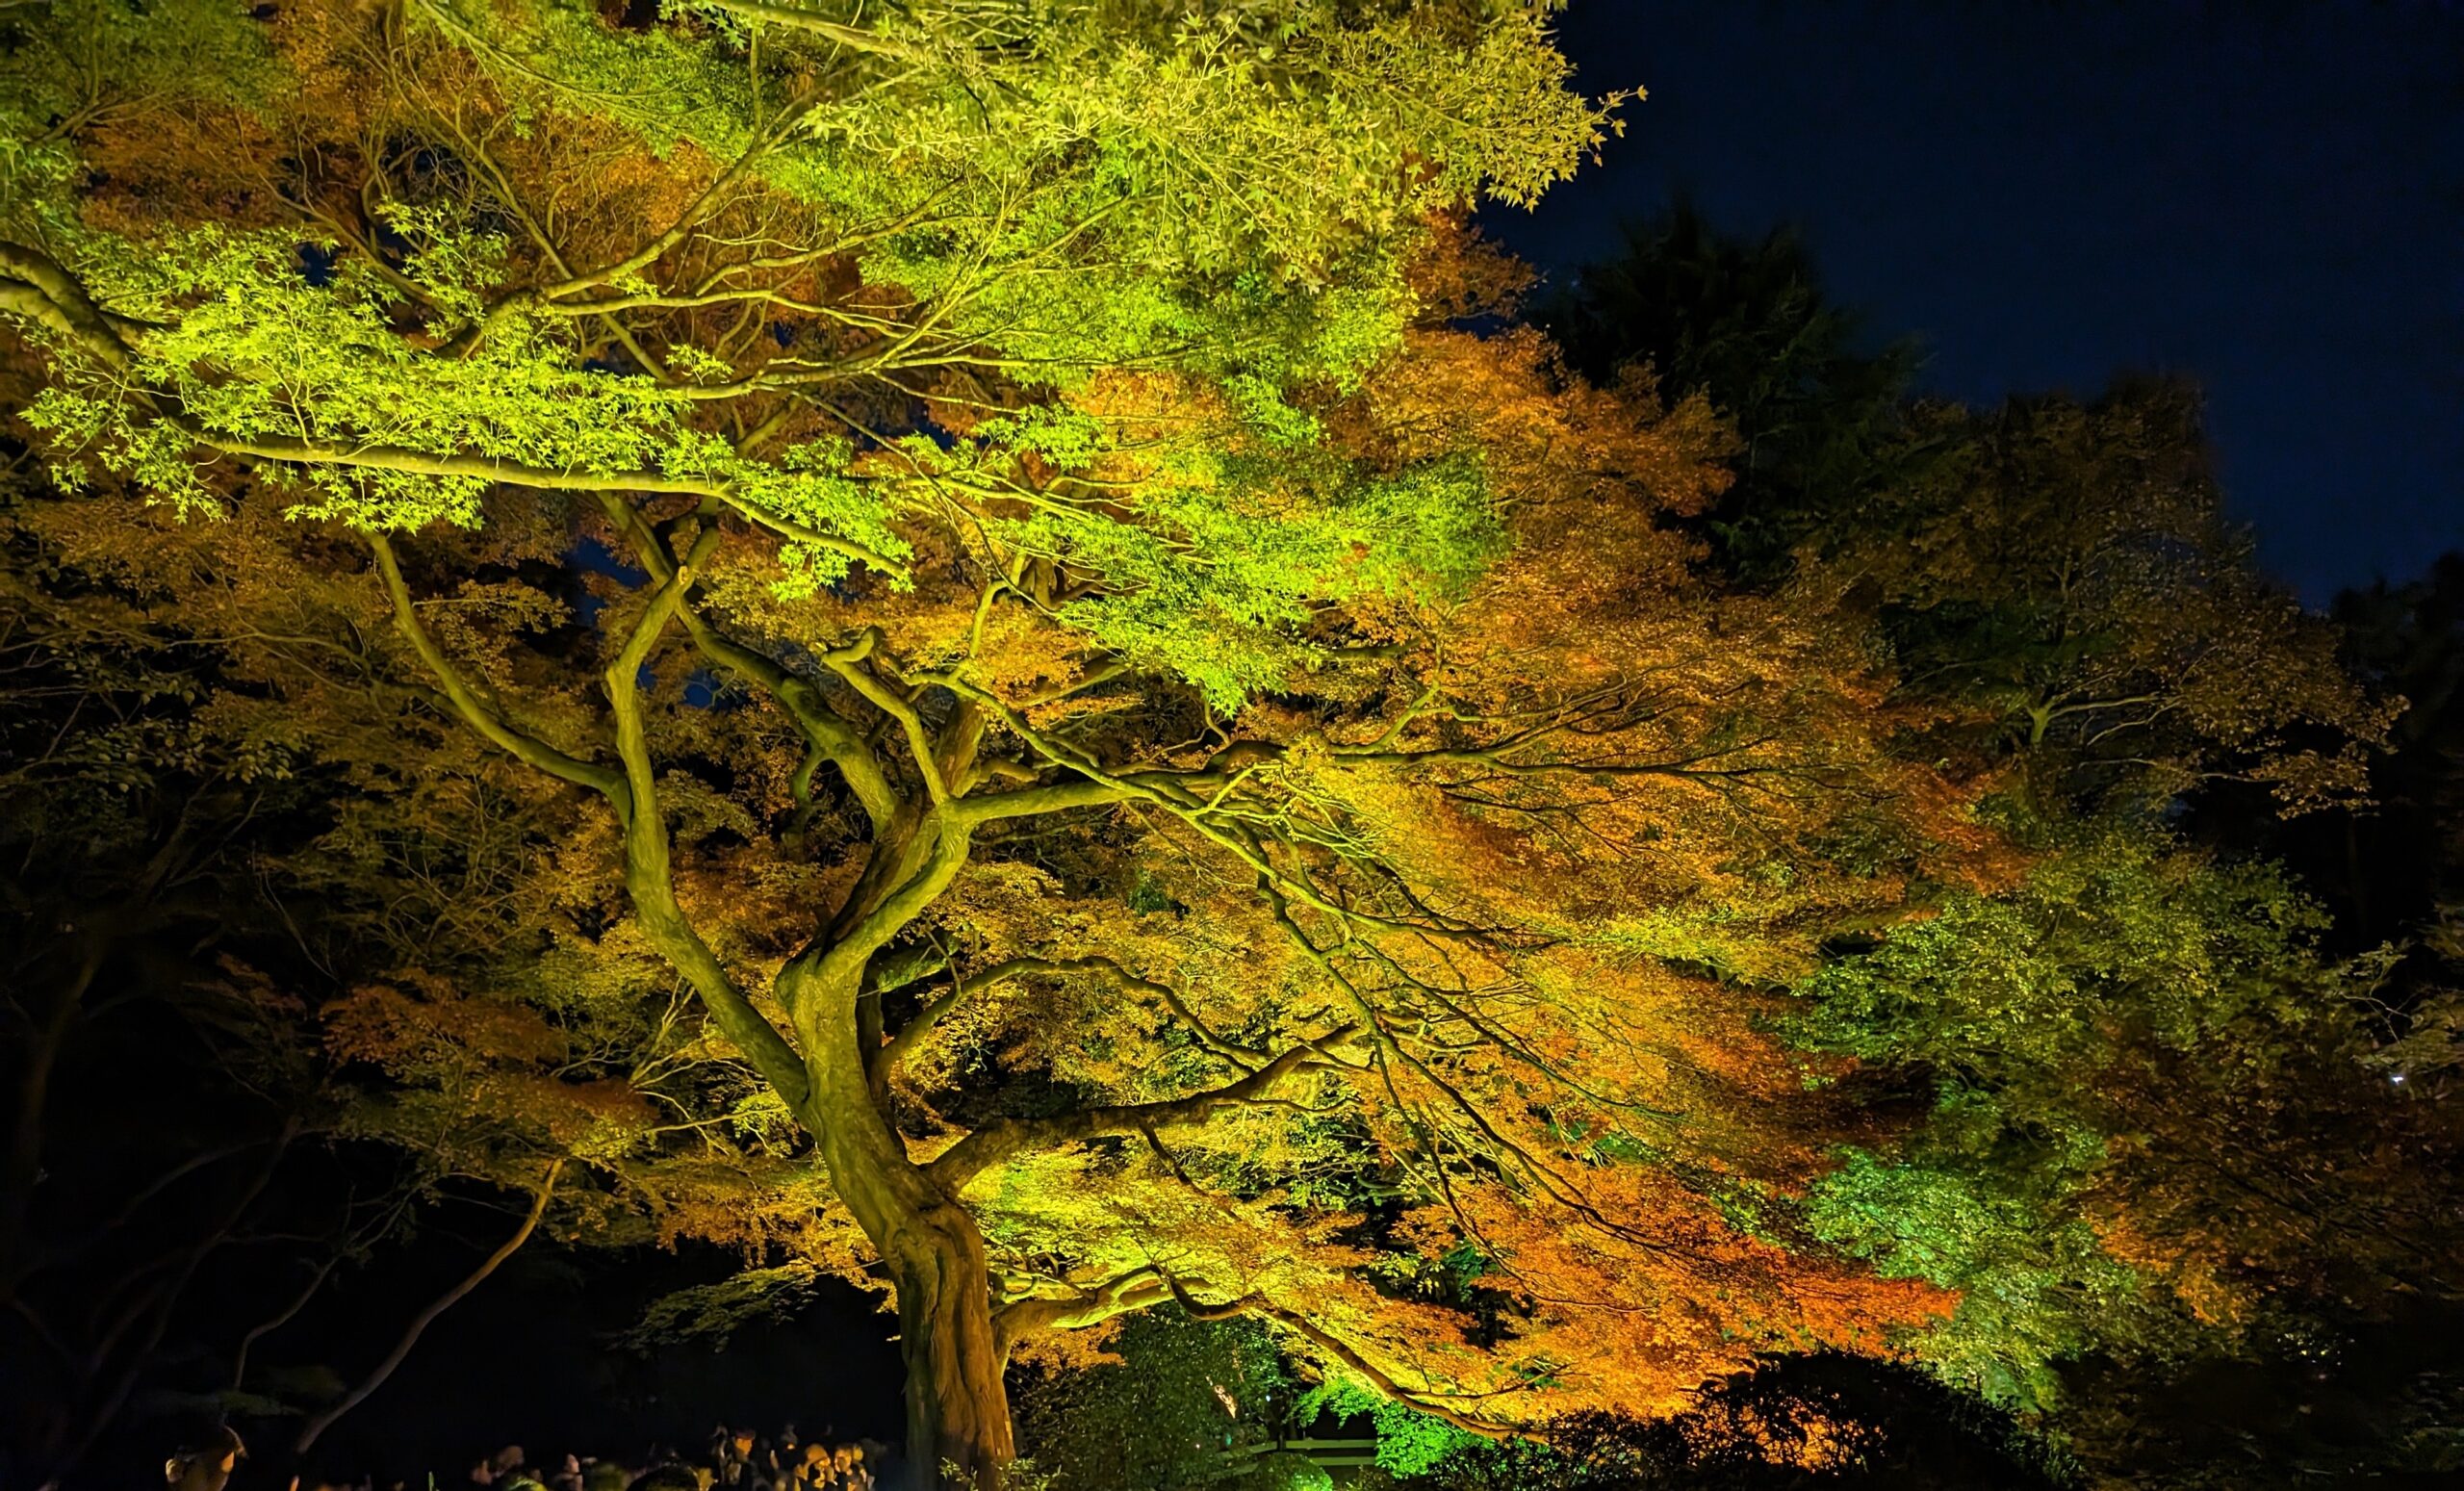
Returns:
(2269, 198)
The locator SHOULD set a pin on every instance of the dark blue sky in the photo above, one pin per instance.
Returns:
(2268, 197)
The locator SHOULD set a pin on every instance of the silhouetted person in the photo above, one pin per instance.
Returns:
(605, 1476)
(671, 1476)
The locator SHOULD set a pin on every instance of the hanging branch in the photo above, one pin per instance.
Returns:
(394, 1359)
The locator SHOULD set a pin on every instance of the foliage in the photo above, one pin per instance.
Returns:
(2051, 1025)
(2160, 1126)
(1027, 501)
(942, 667)
(1821, 422)
(2069, 576)
(1181, 1403)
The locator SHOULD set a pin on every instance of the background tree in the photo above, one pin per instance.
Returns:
(2346, 1373)
(2137, 1018)
(1821, 415)
(2059, 574)
(2145, 1043)
(2068, 572)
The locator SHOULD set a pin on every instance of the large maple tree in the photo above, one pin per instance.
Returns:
(1089, 752)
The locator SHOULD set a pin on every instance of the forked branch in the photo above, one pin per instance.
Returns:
(1005, 1138)
(1424, 1399)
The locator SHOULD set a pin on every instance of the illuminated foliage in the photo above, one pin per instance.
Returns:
(2155, 1111)
(1182, 1403)
(2065, 571)
(961, 682)
(2057, 575)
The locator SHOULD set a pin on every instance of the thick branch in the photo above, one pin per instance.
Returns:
(948, 840)
(633, 794)
(848, 662)
(833, 737)
(530, 749)
(1135, 1290)
(1003, 1139)
(33, 285)
(1340, 1351)
(1031, 802)
(648, 875)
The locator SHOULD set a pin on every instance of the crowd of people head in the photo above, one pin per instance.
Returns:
(735, 1459)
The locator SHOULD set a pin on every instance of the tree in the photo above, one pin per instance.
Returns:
(245, 1057)
(137, 1046)
(1823, 424)
(1176, 783)
(2068, 573)
(2057, 575)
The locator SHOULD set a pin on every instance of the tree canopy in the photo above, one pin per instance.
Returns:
(944, 660)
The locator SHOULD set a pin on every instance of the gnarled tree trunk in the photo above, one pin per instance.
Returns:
(958, 1412)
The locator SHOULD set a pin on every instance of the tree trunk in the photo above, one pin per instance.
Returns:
(958, 1412)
